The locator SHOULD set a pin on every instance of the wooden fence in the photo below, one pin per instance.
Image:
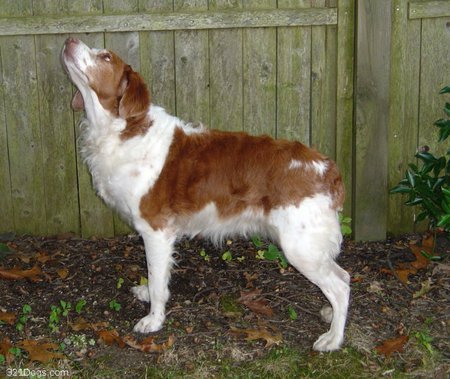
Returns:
(284, 68)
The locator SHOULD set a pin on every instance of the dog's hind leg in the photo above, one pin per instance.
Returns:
(158, 250)
(310, 245)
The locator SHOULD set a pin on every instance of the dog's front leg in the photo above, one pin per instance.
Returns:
(158, 250)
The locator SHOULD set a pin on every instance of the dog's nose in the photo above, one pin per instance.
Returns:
(72, 41)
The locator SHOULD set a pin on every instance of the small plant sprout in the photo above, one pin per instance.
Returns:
(114, 305)
(292, 313)
(2, 359)
(257, 241)
(53, 320)
(80, 305)
(23, 318)
(345, 223)
(65, 307)
(227, 256)
(204, 255)
(273, 254)
(120, 283)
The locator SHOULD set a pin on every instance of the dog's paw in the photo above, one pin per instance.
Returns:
(149, 323)
(328, 342)
(141, 293)
(326, 313)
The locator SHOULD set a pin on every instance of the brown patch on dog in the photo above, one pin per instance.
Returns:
(235, 171)
(121, 91)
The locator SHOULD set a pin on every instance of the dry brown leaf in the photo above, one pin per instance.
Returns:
(41, 352)
(8, 318)
(5, 345)
(251, 301)
(16, 274)
(81, 324)
(42, 257)
(63, 273)
(256, 334)
(391, 346)
(403, 273)
(110, 337)
(148, 345)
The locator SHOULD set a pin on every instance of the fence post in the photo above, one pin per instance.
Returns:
(371, 118)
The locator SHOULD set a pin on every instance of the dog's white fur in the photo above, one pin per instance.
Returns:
(123, 171)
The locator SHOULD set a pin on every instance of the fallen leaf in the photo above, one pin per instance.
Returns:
(5, 345)
(403, 273)
(391, 346)
(256, 334)
(63, 273)
(252, 301)
(110, 337)
(16, 274)
(8, 318)
(42, 257)
(81, 324)
(148, 345)
(41, 352)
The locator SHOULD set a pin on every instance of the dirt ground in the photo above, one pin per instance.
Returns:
(234, 306)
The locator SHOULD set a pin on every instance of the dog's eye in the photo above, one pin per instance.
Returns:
(105, 56)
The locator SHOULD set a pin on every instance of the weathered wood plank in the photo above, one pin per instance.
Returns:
(225, 48)
(192, 68)
(434, 75)
(126, 45)
(323, 86)
(96, 218)
(260, 65)
(167, 21)
(344, 100)
(24, 134)
(372, 100)
(158, 58)
(7, 219)
(403, 110)
(429, 9)
(58, 135)
(294, 78)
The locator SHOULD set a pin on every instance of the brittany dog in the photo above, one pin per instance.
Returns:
(169, 179)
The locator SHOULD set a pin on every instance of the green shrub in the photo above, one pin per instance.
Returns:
(427, 184)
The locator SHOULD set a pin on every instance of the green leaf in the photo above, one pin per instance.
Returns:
(227, 257)
(256, 241)
(292, 313)
(120, 283)
(446, 89)
(411, 178)
(400, 189)
(26, 309)
(2, 359)
(80, 305)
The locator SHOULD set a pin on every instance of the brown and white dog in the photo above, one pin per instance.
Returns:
(169, 180)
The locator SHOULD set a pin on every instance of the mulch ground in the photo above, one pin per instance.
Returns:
(207, 309)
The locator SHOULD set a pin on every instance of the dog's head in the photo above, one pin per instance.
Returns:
(104, 80)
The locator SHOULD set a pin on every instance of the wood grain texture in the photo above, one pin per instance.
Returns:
(324, 86)
(226, 73)
(167, 21)
(260, 65)
(157, 51)
(294, 78)
(429, 9)
(7, 219)
(372, 100)
(344, 98)
(192, 68)
(403, 111)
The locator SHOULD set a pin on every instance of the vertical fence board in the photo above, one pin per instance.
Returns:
(158, 59)
(403, 110)
(126, 45)
(7, 219)
(259, 49)
(293, 78)
(58, 135)
(344, 97)
(24, 134)
(225, 63)
(323, 86)
(192, 68)
(372, 100)
(434, 75)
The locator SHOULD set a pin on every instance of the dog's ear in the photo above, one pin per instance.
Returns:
(77, 101)
(136, 97)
